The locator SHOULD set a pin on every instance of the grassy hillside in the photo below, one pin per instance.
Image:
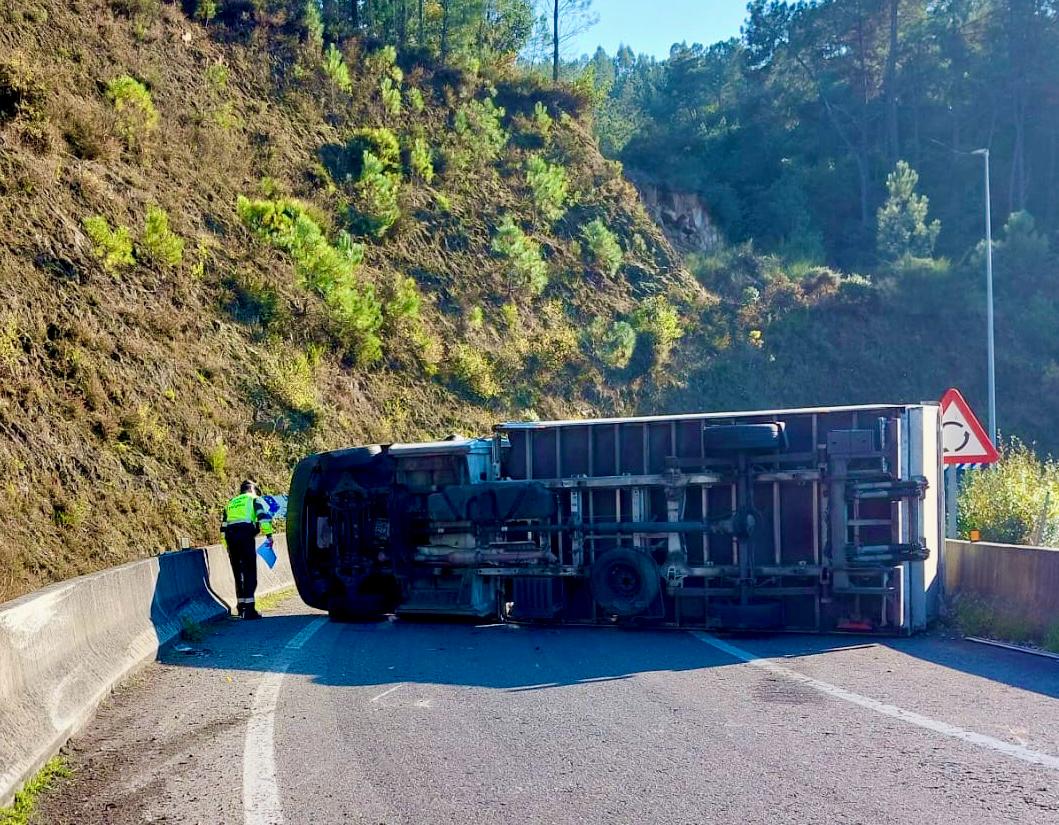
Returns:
(203, 275)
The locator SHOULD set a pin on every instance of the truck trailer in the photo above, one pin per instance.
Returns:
(821, 520)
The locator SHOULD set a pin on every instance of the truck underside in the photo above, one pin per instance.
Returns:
(818, 520)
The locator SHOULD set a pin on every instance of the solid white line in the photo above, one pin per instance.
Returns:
(261, 803)
(1007, 748)
(387, 692)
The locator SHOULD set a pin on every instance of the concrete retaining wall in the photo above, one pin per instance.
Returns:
(64, 648)
(1021, 580)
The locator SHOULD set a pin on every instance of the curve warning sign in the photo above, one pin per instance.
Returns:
(963, 438)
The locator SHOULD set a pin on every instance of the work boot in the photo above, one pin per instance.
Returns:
(251, 613)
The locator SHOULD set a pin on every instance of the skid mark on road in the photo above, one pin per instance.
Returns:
(952, 731)
(261, 802)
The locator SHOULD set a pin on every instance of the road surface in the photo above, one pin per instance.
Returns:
(294, 719)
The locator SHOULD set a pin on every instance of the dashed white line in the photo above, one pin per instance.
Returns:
(387, 692)
(261, 802)
(952, 731)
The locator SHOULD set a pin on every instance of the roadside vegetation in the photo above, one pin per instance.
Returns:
(989, 619)
(274, 228)
(21, 811)
(1015, 501)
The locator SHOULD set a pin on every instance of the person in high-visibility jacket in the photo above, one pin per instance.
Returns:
(245, 516)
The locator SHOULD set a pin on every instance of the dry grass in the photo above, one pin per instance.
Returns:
(130, 399)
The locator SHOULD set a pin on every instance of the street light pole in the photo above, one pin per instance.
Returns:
(989, 298)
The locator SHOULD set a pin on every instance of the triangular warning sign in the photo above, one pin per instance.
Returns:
(963, 438)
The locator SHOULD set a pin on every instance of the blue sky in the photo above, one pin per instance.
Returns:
(653, 26)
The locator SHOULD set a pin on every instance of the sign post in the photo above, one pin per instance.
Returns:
(964, 441)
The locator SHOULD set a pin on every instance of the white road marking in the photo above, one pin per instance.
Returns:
(981, 740)
(261, 803)
(387, 692)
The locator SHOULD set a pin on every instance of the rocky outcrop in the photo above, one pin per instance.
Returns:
(684, 216)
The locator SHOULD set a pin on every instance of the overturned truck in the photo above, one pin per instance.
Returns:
(822, 519)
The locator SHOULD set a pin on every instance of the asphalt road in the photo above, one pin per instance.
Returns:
(294, 719)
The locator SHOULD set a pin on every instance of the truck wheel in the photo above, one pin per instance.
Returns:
(624, 582)
(733, 438)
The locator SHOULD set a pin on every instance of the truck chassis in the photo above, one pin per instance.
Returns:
(823, 519)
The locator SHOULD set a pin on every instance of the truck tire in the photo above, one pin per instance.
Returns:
(750, 438)
(624, 582)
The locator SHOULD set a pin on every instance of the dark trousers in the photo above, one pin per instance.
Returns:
(243, 555)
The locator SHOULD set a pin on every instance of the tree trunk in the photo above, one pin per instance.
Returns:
(891, 87)
(555, 41)
(354, 13)
(444, 29)
(420, 38)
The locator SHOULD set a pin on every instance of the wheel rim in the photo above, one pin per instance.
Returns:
(624, 580)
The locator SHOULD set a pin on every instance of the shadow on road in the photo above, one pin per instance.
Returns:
(535, 658)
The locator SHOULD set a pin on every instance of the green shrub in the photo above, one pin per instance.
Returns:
(160, 244)
(380, 142)
(112, 246)
(613, 344)
(475, 318)
(217, 77)
(217, 460)
(383, 63)
(603, 247)
(555, 344)
(659, 323)
(471, 369)
(137, 117)
(480, 132)
(403, 313)
(292, 381)
(542, 120)
(1010, 500)
(356, 314)
(329, 270)
(390, 91)
(527, 270)
(421, 159)
(22, 95)
(206, 10)
(377, 196)
(415, 99)
(336, 69)
(550, 187)
(312, 23)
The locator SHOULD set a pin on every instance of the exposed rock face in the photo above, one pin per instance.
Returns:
(683, 216)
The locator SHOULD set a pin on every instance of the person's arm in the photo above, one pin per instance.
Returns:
(264, 516)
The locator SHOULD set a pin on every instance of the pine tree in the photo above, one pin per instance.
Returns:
(903, 230)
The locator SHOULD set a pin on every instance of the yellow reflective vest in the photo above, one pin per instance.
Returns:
(247, 509)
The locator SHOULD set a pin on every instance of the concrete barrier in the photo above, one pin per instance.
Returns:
(269, 581)
(64, 648)
(1023, 581)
